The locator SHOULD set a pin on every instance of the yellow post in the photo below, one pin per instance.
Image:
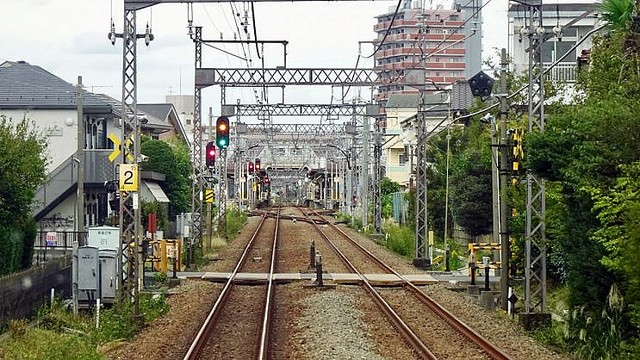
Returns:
(163, 257)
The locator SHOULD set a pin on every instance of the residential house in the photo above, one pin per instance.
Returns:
(51, 103)
(441, 110)
(566, 23)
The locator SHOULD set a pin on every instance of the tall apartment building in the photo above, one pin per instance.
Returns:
(445, 43)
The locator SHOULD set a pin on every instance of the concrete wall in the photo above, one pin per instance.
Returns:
(21, 294)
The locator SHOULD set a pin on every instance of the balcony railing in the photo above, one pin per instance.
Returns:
(563, 72)
(97, 169)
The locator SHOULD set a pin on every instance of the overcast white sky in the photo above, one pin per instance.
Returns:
(69, 38)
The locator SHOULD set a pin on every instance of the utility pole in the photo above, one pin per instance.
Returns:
(504, 170)
(80, 193)
(80, 158)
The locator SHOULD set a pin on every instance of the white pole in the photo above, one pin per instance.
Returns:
(97, 313)
(53, 292)
(509, 305)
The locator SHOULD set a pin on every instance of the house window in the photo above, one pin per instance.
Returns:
(95, 134)
(403, 159)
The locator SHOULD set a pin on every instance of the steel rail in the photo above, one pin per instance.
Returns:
(484, 344)
(201, 337)
(410, 337)
(266, 320)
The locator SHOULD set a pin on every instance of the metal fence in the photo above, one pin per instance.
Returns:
(53, 244)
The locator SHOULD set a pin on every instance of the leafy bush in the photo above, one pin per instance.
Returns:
(400, 240)
(235, 221)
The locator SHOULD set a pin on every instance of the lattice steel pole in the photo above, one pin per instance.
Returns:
(198, 181)
(535, 247)
(129, 214)
(364, 172)
(377, 196)
(421, 185)
(222, 219)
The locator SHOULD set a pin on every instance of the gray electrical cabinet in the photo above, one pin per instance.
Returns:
(108, 276)
(88, 272)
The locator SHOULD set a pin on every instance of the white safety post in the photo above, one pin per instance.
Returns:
(53, 293)
(97, 313)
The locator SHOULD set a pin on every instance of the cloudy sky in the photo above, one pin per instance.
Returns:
(69, 38)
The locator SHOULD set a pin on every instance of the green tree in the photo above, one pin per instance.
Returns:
(617, 13)
(619, 213)
(22, 171)
(173, 161)
(585, 149)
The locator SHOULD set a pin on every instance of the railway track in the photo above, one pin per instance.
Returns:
(238, 325)
(423, 330)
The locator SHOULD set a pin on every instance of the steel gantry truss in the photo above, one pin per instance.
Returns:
(535, 246)
(285, 76)
(296, 109)
(130, 225)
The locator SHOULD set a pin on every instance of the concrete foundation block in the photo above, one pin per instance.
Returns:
(473, 290)
(422, 263)
(532, 321)
(488, 300)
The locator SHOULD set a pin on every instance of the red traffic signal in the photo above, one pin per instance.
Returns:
(210, 155)
(251, 167)
(267, 180)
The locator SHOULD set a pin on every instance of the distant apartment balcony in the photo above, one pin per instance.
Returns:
(563, 72)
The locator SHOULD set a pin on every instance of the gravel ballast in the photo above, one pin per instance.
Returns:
(339, 323)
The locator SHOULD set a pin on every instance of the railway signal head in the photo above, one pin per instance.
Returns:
(222, 132)
(251, 170)
(257, 162)
(210, 155)
(481, 85)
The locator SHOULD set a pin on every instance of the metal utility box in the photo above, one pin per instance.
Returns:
(108, 276)
(88, 271)
(104, 237)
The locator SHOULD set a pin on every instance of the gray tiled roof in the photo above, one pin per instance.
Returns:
(160, 111)
(154, 122)
(26, 86)
(403, 101)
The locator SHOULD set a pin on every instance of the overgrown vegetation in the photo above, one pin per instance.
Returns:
(22, 171)
(235, 221)
(57, 334)
(589, 154)
(173, 161)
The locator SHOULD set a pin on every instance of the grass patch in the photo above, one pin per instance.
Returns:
(400, 240)
(235, 221)
(58, 334)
